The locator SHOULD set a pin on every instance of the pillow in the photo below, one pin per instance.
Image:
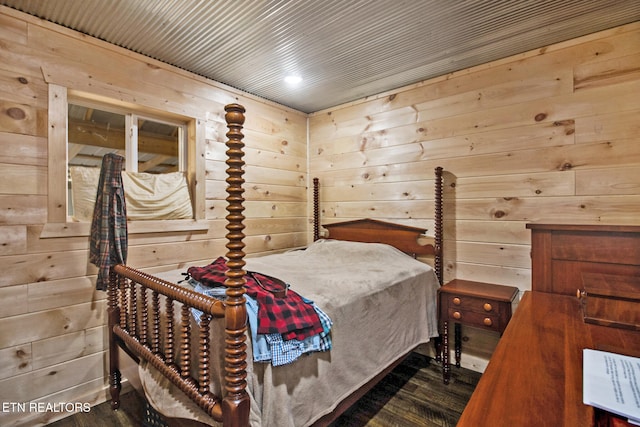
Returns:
(84, 185)
(157, 196)
(148, 196)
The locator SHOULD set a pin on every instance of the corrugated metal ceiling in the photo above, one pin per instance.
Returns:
(343, 49)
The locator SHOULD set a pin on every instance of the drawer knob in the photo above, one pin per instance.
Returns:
(456, 301)
(457, 315)
(487, 306)
(487, 321)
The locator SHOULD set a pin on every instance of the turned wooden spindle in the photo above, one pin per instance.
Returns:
(122, 291)
(445, 354)
(236, 401)
(168, 335)
(113, 315)
(204, 348)
(144, 321)
(133, 310)
(185, 342)
(316, 209)
(438, 227)
(155, 330)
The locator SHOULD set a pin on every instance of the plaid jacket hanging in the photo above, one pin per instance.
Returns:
(290, 316)
(108, 244)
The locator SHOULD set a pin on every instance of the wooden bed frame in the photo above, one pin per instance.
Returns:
(134, 323)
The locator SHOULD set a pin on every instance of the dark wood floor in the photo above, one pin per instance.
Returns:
(412, 395)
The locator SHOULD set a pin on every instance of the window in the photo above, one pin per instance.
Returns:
(159, 150)
(150, 144)
(155, 155)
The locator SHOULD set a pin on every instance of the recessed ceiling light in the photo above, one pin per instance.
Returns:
(293, 79)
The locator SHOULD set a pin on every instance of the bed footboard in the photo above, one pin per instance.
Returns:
(148, 331)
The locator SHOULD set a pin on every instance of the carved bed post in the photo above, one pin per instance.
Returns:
(437, 262)
(235, 405)
(316, 209)
(113, 313)
(438, 227)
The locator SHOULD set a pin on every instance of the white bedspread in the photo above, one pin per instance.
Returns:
(382, 303)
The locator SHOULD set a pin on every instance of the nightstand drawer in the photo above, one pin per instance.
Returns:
(467, 303)
(490, 321)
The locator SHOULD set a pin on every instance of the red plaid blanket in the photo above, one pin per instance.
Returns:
(290, 316)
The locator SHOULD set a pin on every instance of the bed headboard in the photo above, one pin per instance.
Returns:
(403, 237)
(561, 253)
(369, 230)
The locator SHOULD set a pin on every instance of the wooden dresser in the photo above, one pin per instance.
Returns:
(560, 253)
(534, 377)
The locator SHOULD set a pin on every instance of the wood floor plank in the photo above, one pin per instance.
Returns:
(413, 394)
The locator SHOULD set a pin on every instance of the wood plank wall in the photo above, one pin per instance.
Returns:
(551, 135)
(52, 321)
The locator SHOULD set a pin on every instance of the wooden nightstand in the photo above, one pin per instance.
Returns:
(476, 304)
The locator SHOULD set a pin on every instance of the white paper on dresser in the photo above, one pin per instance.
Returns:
(612, 382)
